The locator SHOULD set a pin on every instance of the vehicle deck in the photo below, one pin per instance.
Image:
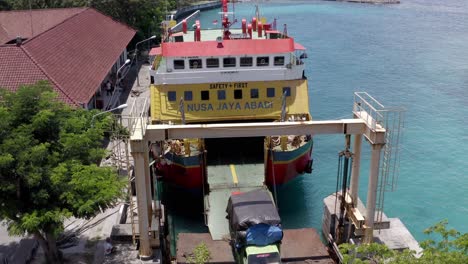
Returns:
(298, 246)
(231, 168)
(224, 180)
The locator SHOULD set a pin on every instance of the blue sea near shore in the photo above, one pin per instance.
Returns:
(415, 55)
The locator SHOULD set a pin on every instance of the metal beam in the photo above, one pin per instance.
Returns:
(343, 126)
(139, 151)
(372, 192)
(356, 168)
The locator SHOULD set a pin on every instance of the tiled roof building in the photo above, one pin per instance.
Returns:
(75, 49)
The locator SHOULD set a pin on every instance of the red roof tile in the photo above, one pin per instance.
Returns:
(27, 23)
(14, 65)
(77, 54)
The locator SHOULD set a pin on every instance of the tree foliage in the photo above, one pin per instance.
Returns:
(48, 164)
(451, 248)
(200, 254)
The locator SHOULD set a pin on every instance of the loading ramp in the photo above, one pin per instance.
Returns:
(298, 246)
(224, 180)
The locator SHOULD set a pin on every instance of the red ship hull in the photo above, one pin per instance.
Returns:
(187, 172)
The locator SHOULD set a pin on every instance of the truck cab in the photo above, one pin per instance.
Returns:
(255, 227)
(262, 255)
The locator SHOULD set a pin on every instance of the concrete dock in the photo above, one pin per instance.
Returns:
(389, 231)
(298, 246)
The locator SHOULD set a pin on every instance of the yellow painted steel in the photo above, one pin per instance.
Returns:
(233, 107)
(235, 180)
(284, 142)
(187, 147)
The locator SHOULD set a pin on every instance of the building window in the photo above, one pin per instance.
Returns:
(279, 61)
(188, 96)
(246, 62)
(287, 91)
(179, 64)
(229, 62)
(270, 92)
(195, 64)
(237, 94)
(212, 63)
(263, 61)
(254, 93)
(221, 94)
(171, 96)
(205, 95)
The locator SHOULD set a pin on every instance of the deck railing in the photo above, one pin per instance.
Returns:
(391, 119)
(137, 119)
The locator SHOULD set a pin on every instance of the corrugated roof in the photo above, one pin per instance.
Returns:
(26, 23)
(228, 47)
(75, 55)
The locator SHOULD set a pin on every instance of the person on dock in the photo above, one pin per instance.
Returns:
(108, 88)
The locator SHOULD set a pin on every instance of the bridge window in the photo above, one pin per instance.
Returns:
(221, 94)
(188, 96)
(279, 61)
(237, 94)
(246, 62)
(212, 63)
(229, 62)
(254, 93)
(195, 64)
(263, 61)
(179, 64)
(287, 91)
(171, 96)
(205, 95)
(270, 92)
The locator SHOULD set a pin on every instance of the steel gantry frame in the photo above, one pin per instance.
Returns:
(364, 124)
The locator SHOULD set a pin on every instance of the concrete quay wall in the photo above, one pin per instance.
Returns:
(185, 11)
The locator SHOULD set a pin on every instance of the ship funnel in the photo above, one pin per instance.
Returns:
(260, 29)
(184, 26)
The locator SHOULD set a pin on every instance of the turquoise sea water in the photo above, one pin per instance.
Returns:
(414, 55)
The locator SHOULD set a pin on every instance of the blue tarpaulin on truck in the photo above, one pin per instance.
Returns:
(263, 234)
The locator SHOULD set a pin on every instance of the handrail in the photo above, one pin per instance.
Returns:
(186, 19)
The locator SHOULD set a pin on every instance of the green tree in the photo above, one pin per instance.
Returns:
(451, 248)
(48, 171)
(4, 5)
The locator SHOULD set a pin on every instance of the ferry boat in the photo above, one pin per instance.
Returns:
(254, 73)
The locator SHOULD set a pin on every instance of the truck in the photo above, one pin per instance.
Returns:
(254, 227)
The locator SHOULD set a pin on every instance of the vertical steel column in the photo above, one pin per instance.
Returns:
(139, 153)
(372, 192)
(148, 183)
(356, 168)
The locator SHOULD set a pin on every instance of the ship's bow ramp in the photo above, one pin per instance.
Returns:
(234, 165)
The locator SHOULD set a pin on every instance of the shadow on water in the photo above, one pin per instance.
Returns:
(184, 213)
(292, 203)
